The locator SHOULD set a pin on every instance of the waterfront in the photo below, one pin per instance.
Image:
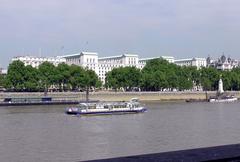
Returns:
(47, 134)
(120, 96)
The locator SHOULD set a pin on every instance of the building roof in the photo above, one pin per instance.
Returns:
(150, 58)
(110, 57)
(89, 53)
(118, 56)
(130, 55)
(164, 57)
(190, 59)
(78, 54)
(70, 55)
(37, 57)
(167, 57)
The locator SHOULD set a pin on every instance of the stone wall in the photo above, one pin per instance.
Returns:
(118, 96)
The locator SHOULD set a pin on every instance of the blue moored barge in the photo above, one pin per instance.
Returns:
(24, 101)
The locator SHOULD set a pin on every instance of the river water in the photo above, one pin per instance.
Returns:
(45, 133)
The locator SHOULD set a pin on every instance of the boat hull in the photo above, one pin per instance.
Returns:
(107, 112)
(223, 100)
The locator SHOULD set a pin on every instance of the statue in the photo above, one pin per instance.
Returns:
(220, 86)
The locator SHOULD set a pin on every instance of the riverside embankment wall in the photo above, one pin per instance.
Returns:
(119, 96)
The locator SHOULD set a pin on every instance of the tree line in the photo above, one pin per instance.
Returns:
(160, 75)
(157, 75)
(47, 76)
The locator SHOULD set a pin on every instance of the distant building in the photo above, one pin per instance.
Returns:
(35, 61)
(198, 62)
(3, 71)
(101, 66)
(142, 62)
(223, 63)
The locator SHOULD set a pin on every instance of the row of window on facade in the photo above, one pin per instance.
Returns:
(76, 60)
(131, 62)
(90, 60)
(38, 63)
(110, 65)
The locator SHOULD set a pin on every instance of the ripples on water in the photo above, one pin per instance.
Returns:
(47, 134)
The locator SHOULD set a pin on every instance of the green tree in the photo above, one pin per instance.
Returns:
(159, 74)
(62, 76)
(209, 78)
(123, 77)
(132, 77)
(112, 79)
(31, 78)
(47, 73)
(2, 80)
(91, 81)
(15, 76)
(235, 82)
(206, 83)
(77, 77)
(185, 80)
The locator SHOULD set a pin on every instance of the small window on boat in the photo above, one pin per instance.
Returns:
(105, 106)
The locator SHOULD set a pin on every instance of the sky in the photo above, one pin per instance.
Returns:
(179, 28)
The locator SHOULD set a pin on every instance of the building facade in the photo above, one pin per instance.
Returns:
(223, 63)
(36, 61)
(142, 62)
(3, 71)
(197, 62)
(102, 65)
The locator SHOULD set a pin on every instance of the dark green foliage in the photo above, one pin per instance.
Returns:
(2, 80)
(123, 77)
(91, 79)
(157, 75)
(209, 78)
(77, 77)
(60, 78)
(31, 79)
(15, 77)
(47, 73)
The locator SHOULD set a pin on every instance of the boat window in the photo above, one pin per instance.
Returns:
(7, 99)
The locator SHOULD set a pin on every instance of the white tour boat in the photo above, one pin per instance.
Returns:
(101, 108)
(224, 99)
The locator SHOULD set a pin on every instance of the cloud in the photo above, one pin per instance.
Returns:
(149, 27)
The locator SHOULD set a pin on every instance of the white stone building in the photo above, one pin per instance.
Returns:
(106, 64)
(142, 62)
(101, 66)
(223, 63)
(198, 62)
(3, 71)
(35, 61)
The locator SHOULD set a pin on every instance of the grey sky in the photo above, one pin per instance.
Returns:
(179, 28)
